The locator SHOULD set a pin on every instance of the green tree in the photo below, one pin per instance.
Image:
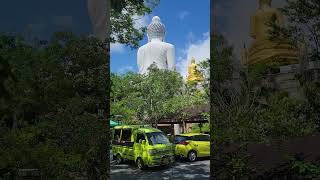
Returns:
(221, 63)
(157, 89)
(205, 70)
(303, 29)
(51, 120)
(126, 97)
(140, 98)
(124, 13)
(240, 117)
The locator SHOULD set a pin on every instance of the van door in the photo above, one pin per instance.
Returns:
(127, 143)
(138, 146)
(116, 143)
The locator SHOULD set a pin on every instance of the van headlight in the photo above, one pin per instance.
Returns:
(153, 151)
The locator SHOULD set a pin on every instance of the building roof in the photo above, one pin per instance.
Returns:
(193, 114)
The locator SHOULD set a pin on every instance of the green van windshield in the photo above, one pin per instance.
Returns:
(157, 138)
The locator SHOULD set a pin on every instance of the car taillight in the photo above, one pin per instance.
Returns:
(184, 143)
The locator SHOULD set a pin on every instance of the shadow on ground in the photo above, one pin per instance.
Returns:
(181, 169)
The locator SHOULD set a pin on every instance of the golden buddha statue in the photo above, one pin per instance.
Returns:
(194, 75)
(263, 50)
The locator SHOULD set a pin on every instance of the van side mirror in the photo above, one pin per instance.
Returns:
(143, 142)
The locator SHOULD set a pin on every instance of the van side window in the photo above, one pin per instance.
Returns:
(116, 137)
(140, 136)
(126, 138)
(126, 135)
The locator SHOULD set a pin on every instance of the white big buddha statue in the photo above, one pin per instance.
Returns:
(156, 51)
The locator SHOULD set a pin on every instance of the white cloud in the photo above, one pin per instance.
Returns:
(140, 21)
(183, 14)
(117, 48)
(190, 36)
(200, 50)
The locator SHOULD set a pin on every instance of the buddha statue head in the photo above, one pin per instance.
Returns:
(193, 61)
(264, 3)
(156, 30)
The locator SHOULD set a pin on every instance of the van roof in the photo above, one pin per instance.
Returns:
(130, 126)
(143, 128)
(149, 130)
(191, 134)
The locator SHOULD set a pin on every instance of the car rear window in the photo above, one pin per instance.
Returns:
(201, 138)
(179, 139)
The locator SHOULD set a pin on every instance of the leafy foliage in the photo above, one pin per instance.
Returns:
(200, 128)
(303, 30)
(295, 168)
(221, 63)
(49, 117)
(124, 13)
(146, 98)
(240, 117)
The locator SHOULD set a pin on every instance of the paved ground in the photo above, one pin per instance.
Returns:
(179, 170)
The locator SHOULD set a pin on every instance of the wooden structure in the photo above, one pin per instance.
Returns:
(184, 117)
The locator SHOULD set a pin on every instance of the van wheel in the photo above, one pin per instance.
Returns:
(140, 164)
(192, 156)
(118, 159)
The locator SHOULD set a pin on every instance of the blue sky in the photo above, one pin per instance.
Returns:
(187, 27)
(187, 24)
(42, 18)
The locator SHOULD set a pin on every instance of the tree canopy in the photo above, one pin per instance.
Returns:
(124, 14)
(49, 116)
(147, 98)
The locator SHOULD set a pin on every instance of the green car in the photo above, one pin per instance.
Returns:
(192, 145)
(145, 145)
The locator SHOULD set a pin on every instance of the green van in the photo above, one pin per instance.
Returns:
(143, 144)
